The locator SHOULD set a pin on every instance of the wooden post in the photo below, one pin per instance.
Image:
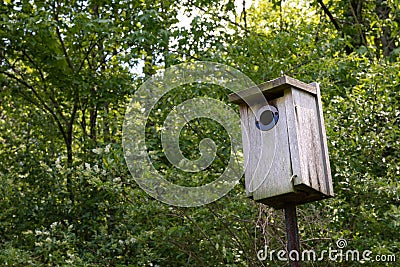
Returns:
(293, 240)
(283, 128)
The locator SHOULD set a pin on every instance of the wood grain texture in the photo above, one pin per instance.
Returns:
(253, 157)
(310, 143)
(293, 137)
(244, 120)
(310, 153)
(271, 177)
(324, 143)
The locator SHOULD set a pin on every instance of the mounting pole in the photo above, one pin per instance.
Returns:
(293, 240)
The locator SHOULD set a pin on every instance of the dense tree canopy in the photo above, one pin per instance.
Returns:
(68, 70)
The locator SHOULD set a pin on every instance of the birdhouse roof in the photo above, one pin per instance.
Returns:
(270, 90)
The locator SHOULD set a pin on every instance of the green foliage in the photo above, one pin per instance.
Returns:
(365, 152)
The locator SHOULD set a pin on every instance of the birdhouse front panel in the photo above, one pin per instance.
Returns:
(284, 143)
(264, 168)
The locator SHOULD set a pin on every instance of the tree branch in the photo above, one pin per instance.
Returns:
(51, 96)
(60, 39)
(358, 23)
(35, 65)
(42, 105)
(329, 14)
(334, 22)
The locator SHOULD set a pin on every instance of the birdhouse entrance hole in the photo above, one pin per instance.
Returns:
(267, 117)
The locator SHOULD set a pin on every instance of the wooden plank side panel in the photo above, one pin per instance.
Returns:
(274, 169)
(310, 151)
(311, 156)
(244, 119)
(253, 180)
(254, 152)
(292, 135)
(324, 143)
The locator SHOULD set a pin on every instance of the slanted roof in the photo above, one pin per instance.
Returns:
(271, 89)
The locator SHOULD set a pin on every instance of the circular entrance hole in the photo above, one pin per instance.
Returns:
(266, 117)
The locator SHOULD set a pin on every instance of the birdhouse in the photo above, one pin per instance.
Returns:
(284, 143)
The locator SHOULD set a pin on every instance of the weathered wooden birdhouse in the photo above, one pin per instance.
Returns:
(284, 143)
